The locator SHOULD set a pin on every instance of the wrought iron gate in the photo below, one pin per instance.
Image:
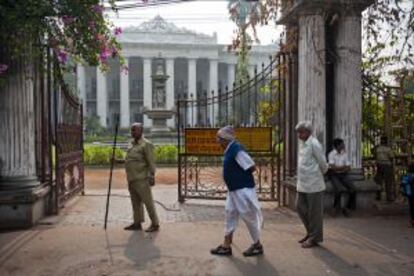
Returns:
(387, 112)
(68, 121)
(263, 101)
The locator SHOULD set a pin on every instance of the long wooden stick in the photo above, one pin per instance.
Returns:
(110, 173)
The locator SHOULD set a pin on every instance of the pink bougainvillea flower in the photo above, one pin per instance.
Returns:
(3, 68)
(124, 69)
(117, 31)
(114, 52)
(98, 9)
(92, 25)
(62, 56)
(105, 54)
(67, 20)
(100, 37)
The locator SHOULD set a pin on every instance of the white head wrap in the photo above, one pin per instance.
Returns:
(226, 133)
(304, 125)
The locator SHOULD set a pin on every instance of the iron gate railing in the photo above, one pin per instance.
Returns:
(68, 121)
(386, 112)
(264, 100)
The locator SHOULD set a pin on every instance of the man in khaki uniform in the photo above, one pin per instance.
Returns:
(140, 170)
(384, 157)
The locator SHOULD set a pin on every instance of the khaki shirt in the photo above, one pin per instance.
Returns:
(139, 161)
(384, 155)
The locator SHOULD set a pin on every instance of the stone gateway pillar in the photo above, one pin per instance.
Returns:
(330, 83)
(333, 104)
(311, 87)
(22, 197)
(347, 122)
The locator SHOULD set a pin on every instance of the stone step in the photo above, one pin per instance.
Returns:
(391, 208)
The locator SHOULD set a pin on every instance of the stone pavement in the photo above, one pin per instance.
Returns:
(75, 243)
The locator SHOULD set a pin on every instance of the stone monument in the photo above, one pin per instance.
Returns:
(158, 113)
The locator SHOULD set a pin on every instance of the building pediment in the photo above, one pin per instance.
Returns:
(159, 30)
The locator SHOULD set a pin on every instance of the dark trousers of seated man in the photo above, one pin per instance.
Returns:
(341, 184)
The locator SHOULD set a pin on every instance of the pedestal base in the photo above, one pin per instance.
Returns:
(365, 199)
(22, 208)
(162, 138)
(159, 119)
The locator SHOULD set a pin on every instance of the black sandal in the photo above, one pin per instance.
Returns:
(253, 250)
(221, 250)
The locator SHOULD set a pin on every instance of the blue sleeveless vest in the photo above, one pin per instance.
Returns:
(235, 177)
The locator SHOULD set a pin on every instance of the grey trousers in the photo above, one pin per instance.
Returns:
(310, 211)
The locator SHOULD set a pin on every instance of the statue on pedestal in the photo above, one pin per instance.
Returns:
(159, 79)
(159, 113)
(159, 97)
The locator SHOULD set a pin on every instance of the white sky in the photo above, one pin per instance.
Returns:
(201, 16)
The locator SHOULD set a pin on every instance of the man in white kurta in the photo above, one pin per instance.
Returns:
(310, 185)
(242, 200)
(339, 166)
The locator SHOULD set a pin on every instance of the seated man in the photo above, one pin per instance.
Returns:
(339, 166)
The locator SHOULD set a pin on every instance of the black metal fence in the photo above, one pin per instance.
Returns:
(388, 112)
(266, 99)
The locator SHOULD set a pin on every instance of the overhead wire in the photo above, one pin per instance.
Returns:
(141, 4)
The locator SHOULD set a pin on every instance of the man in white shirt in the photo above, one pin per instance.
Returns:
(339, 166)
(310, 184)
(238, 168)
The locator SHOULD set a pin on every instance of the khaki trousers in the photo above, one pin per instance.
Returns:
(310, 211)
(141, 194)
(385, 179)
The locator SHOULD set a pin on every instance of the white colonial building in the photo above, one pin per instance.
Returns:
(195, 64)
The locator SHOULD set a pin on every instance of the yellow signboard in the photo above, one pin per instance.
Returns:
(204, 141)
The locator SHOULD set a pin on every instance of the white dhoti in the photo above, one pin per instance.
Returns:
(243, 203)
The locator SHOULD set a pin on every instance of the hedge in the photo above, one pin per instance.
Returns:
(100, 155)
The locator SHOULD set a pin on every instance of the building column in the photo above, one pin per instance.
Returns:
(147, 71)
(250, 97)
(192, 84)
(213, 86)
(348, 87)
(251, 69)
(231, 77)
(22, 198)
(124, 91)
(81, 85)
(101, 97)
(312, 85)
(170, 89)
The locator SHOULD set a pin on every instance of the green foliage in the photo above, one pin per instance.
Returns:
(101, 155)
(93, 126)
(105, 138)
(73, 29)
(388, 30)
(166, 154)
(269, 105)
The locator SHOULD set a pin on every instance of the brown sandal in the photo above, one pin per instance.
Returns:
(152, 228)
(221, 250)
(309, 244)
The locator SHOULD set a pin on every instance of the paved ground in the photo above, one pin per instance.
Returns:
(76, 244)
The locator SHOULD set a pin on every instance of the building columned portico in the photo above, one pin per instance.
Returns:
(195, 63)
